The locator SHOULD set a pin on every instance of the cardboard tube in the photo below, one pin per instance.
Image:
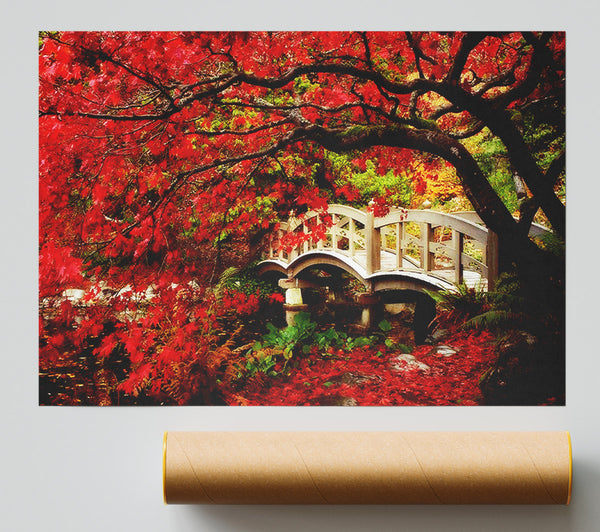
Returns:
(367, 467)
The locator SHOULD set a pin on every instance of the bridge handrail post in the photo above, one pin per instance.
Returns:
(492, 259)
(427, 256)
(399, 236)
(305, 244)
(319, 241)
(334, 233)
(372, 244)
(458, 245)
(291, 227)
(280, 252)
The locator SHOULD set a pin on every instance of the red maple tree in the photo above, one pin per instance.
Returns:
(165, 156)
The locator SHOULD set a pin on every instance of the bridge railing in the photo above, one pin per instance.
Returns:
(439, 244)
(435, 243)
(341, 228)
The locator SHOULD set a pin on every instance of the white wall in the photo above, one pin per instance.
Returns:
(93, 469)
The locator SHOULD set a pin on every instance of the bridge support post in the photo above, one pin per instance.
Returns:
(291, 311)
(371, 308)
(294, 303)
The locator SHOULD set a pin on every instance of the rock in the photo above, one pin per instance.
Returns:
(516, 343)
(356, 378)
(402, 310)
(406, 362)
(436, 336)
(445, 351)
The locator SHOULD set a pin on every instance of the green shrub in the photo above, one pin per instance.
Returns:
(300, 338)
(461, 305)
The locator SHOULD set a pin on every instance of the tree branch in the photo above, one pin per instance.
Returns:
(468, 42)
(419, 54)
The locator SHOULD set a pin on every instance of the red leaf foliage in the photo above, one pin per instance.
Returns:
(165, 157)
(367, 377)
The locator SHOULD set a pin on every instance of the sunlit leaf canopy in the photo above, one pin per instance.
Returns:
(233, 128)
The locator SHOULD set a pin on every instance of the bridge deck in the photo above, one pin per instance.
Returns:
(441, 278)
(388, 263)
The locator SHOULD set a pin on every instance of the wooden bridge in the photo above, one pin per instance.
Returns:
(438, 249)
(404, 250)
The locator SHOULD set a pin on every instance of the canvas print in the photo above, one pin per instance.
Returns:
(302, 218)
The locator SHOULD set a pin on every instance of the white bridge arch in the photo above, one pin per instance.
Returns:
(403, 249)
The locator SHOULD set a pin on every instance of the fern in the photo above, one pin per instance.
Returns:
(461, 304)
(493, 319)
(224, 281)
(244, 280)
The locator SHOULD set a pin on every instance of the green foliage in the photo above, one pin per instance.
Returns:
(301, 338)
(553, 244)
(359, 341)
(227, 279)
(260, 362)
(397, 189)
(461, 304)
(303, 85)
(262, 357)
(469, 248)
(330, 338)
(492, 157)
(508, 308)
(385, 326)
(244, 280)
(503, 308)
(292, 335)
(543, 129)
(543, 125)
(493, 319)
